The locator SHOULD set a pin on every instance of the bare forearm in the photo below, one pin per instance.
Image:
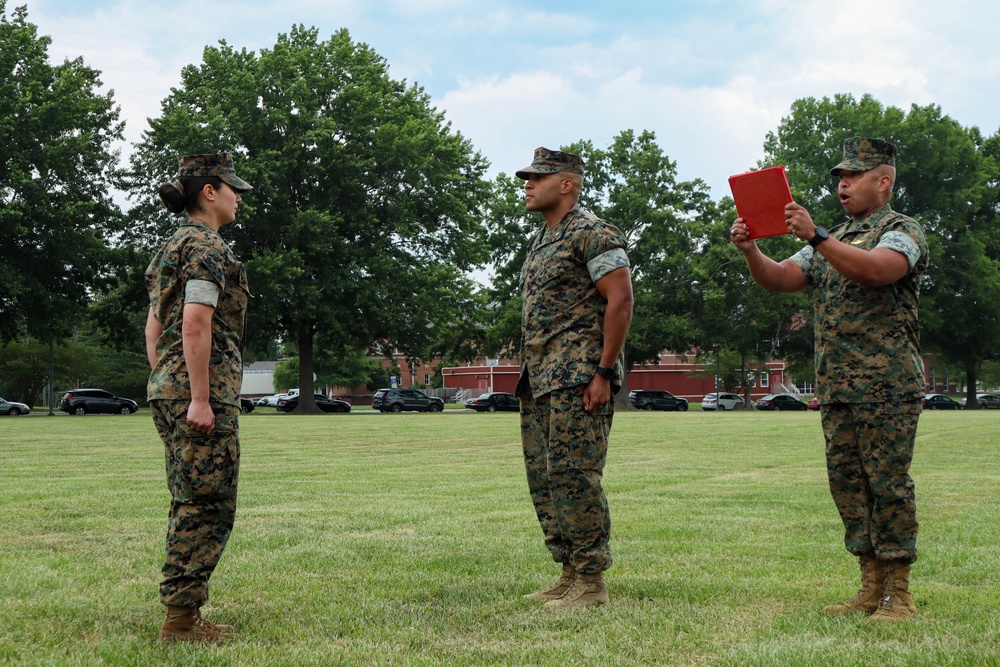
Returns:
(769, 274)
(617, 319)
(879, 266)
(153, 331)
(196, 336)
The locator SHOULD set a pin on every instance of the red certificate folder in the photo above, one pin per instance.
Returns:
(760, 198)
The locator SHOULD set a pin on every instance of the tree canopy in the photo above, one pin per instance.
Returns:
(364, 213)
(57, 167)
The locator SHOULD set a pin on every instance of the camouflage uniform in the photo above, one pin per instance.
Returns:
(202, 469)
(869, 380)
(565, 447)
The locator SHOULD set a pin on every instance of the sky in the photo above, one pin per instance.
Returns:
(709, 77)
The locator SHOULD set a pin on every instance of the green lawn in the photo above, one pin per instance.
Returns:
(410, 539)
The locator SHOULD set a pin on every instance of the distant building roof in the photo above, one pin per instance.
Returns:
(260, 367)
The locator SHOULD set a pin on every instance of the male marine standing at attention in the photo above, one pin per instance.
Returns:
(577, 306)
(865, 275)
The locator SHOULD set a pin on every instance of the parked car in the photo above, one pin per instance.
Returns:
(723, 402)
(986, 401)
(323, 402)
(813, 403)
(88, 401)
(656, 399)
(941, 402)
(246, 405)
(269, 401)
(13, 408)
(494, 401)
(398, 400)
(780, 402)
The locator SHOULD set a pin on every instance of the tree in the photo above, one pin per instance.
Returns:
(947, 180)
(364, 210)
(733, 317)
(56, 169)
(511, 229)
(633, 184)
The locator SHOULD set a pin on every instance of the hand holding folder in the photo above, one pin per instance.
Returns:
(760, 198)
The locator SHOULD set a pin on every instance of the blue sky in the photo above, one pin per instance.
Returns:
(709, 77)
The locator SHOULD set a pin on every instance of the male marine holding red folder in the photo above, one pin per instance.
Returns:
(865, 275)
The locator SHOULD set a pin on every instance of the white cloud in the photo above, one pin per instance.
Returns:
(709, 79)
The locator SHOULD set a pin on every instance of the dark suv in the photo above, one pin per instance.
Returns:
(656, 399)
(398, 400)
(83, 401)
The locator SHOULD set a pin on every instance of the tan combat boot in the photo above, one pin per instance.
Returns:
(868, 596)
(186, 624)
(556, 590)
(587, 590)
(896, 604)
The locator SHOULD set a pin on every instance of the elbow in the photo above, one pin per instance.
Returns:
(192, 329)
(875, 278)
(624, 307)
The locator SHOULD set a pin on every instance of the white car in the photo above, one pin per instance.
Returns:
(725, 401)
(13, 408)
(269, 401)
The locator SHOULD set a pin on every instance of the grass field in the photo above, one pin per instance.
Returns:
(410, 539)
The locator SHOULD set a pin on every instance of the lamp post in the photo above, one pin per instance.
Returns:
(718, 376)
(52, 389)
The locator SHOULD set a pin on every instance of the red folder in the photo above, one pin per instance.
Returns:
(760, 198)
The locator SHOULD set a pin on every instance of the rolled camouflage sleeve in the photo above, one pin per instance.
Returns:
(204, 292)
(903, 244)
(607, 262)
(804, 260)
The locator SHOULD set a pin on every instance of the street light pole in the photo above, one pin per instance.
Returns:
(52, 389)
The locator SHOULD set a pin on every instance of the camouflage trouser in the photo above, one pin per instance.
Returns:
(202, 473)
(869, 447)
(565, 449)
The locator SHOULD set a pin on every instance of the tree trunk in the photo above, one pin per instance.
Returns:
(970, 387)
(621, 398)
(307, 403)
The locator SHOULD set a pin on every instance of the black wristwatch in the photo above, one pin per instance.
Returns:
(606, 373)
(820, 236)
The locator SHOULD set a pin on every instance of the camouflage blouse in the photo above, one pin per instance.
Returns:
(562, 317)
(868, 338)
(196, 252)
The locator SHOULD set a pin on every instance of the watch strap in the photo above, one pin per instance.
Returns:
(820, 236)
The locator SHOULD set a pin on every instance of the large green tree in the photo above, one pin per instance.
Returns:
(947, 180)
(57, 165)
(363, 216)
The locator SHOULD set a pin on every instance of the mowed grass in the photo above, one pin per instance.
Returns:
(410, 539)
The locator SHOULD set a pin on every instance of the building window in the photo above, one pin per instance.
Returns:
(427, 379)
(765, 379)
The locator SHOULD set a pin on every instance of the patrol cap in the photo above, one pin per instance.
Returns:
(861, 154)
(548, 161)
(219, 165)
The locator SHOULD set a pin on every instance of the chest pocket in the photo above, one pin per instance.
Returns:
(550, 267)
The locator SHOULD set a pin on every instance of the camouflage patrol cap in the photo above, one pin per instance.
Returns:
(861, 154)
(552, 162)
(219, 165)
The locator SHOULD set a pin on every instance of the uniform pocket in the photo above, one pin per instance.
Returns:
(204, 466)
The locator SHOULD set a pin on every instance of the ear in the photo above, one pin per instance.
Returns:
(884, 183)
(208, 192)
(566, 186)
